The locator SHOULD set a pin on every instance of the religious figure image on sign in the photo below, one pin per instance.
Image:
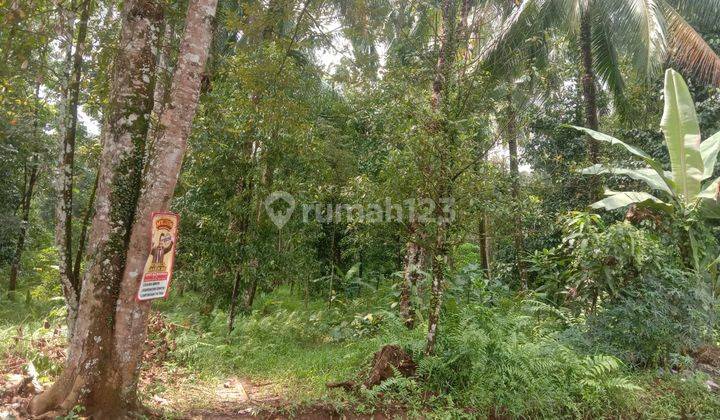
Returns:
(158, 268)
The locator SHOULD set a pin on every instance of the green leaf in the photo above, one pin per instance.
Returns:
(647, 175)
(682, 136)
(616, 200)
(605, 60)
(657, 166)
(710, 209)
(612, 140)
(709, 151)
(641, 26)
(710, 191)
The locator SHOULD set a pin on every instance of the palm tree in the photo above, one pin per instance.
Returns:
(649, 31)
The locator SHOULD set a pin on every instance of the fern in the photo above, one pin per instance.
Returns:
(601, 373)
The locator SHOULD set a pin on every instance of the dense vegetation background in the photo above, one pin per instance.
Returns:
(525, 303)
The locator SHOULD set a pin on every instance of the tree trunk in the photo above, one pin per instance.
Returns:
(91, 376)
(332, 256)
(589, 83)
(512, 135)
(161, 178)
(436, 288)
(80, 252)
(24, 224)
(30, 178)
(249, 297)
(440, 129)
(240, 223)
(233, 301)
(163, 77)
(413, 263)
(68, 131)
(484, 245)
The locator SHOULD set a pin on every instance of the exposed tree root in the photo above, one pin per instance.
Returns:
(388, 360)
(59, 399)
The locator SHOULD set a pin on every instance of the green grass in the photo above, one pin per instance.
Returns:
(297, 346)
(499, 359)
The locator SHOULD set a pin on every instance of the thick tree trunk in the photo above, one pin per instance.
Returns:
(68, 131)
(589, 83)
(161, 177)
(512, 135)
(24, 224)
(91, 376)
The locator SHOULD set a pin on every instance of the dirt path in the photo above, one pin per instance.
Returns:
(231, 398)
(237, 398)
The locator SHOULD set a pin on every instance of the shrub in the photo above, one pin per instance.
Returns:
(504, 361)
(664, 312)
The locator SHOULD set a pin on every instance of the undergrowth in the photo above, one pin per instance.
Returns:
(506, 356)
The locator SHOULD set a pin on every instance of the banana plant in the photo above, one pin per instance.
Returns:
(692, 161)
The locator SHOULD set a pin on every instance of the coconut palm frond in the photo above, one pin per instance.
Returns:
(362, 24)
(526, 21)
(606, 63)
(689, 50)
(644, 28)
(703, 13)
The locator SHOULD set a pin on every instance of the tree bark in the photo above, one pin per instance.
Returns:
(30, 178)
(91, 376)
(68, 131)
(160, 180)
(484, 245)
(82, 239)
(163, 77)
(24, 224)
(512, 135)
(439, 128)
(413, 263)
(232, 312)
(589, 83)
(240, 223)
(249, 297)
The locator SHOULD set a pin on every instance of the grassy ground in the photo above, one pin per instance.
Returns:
(299, 347)
(502, 361)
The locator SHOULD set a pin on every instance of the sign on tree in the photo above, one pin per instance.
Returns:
(159, 266)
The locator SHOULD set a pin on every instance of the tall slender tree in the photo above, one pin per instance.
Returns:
(511, 132)
(69, 101)
(31, 174)
(444, 142)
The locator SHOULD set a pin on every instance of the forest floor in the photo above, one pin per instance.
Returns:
(279, 359)
(170, 391)
(190, 377)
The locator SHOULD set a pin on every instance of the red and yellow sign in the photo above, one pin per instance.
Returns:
(156, 277)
